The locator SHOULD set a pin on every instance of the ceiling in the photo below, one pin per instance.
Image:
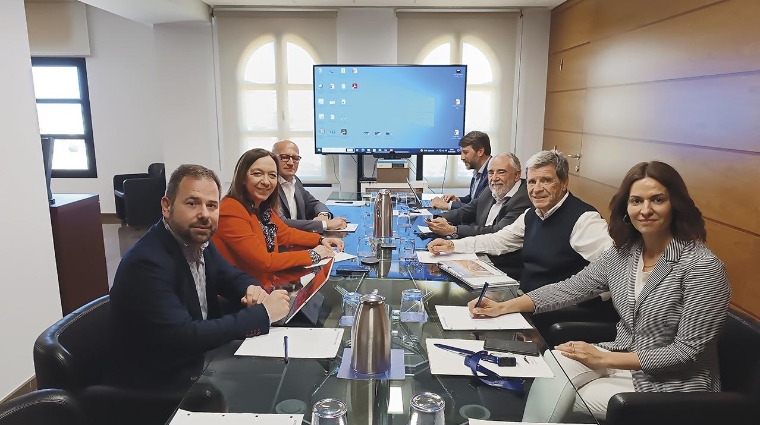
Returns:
(389, 3)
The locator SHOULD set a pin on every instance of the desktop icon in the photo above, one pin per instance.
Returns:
(354, 86)
(321, 116)
(343, 86)
(457, 102)
(321, 101)
(319, 70)
(343, 101)
(343, 131)
(366, 133)
(459, 71)
(378, 133)
(331, 86)
(320, 86)
(343, 70)
(354, 70)
(332, 102)
(388, 133)
(456, 132)
(332, 117)
(321, 131)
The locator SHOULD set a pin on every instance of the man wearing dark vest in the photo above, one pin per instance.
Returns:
(559, 235)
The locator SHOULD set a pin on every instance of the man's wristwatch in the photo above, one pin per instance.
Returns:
(454, 235)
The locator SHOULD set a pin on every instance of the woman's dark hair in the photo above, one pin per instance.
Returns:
(237, 188)
(686, 222)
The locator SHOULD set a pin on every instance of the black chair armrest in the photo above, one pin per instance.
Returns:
(582, 331)
(106, 404)
(48, 406)
(657, 408)
(118, 179)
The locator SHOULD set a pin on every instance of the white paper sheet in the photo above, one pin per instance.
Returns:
(183, 417)
(443, 362)
(458, 318)
(430, 258)
(429, 196)
(339, 256)
(303, 343)
(424, 229)
(350, 228)
(344, 203)
(482, 422)
(421, 211)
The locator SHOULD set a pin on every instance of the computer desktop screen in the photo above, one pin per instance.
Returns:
(389, 109)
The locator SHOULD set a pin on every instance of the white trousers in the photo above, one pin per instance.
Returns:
(550, 400)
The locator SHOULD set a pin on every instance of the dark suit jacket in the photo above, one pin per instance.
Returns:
(470, 220)
(159, 335)
(482, 184)
(308, 207)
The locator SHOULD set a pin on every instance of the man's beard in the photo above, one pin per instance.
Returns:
(499, 191)
(186, 234)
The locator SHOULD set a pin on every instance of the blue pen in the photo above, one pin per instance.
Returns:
(285, 345)
(482, 292)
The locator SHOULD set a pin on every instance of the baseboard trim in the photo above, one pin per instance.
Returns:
(25, 388)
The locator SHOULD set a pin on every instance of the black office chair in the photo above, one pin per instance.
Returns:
(48, 407)
(738, 403)
(138, 196)
(73, 355)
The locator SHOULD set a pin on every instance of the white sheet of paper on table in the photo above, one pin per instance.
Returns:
(303, 343)
(424, 229)
(332, 203)
(458, 318)
(483, 422)
(430, 258)
(444, 362)
(422, 211)
(183, 417)
(339, 256)
(429, 196)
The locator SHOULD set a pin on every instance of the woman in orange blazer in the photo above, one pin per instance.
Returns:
(250, 229)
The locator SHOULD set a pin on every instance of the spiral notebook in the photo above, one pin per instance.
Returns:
(475, 273)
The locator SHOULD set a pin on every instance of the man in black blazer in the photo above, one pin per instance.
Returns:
(475, 154)
(300, 209)
(165, 307)
(499, 205)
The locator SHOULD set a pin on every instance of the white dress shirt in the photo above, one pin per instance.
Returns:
(589, 236)
(496, 207)
(290, 194)
(474, 184)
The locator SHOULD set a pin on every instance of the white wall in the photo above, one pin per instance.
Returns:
(122, 80)
(29, 298)
(531, 70)
(187, 125)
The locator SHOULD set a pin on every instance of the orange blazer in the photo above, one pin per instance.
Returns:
(240, 239)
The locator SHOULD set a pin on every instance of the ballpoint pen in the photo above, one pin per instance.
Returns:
(482, 292)
(285, 346)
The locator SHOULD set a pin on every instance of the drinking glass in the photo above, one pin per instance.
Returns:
(365, 247)
(368, 222)
(426, 409)
(406, 247)
(404, 224)
(350, 306)
(329, 411)
(412, 308)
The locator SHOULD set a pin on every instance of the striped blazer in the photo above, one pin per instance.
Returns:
(674, 324)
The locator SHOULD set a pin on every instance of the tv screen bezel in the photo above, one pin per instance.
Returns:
(390, 153)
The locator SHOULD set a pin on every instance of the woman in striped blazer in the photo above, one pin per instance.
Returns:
(670, 290)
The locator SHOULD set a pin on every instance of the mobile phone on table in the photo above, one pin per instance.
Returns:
(511, 346)
(351, 269)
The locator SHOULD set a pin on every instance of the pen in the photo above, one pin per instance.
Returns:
(285, 345)
(482, 292)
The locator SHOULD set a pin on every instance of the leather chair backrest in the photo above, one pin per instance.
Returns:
(156, 170)
(73, 353)
(739, 354)
(48, 407)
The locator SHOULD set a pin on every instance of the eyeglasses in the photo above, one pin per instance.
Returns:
(285, 157)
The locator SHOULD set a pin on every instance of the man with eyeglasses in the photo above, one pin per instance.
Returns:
(299, 207)
(505, 199)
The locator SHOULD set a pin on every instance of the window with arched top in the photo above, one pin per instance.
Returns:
(487, 44)
(275, 96)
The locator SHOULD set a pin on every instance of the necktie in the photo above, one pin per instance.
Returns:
(474, 184)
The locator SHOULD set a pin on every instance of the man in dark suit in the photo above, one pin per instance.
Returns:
(165, 307)
(499, 205)
(476, 153)
(300, 209)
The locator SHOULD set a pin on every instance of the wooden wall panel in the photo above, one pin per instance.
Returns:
(739, 251)
(719, 39)
(568, 143)
(719, 111)
(564, 110)
(597, 194)
(718, 181)
(615, 17)
(571, 27)
(567, 69)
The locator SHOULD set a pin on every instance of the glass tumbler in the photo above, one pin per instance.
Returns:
(412, 308)
(365, 247)
(404, 224)
(329, 411)
(406, 248)
(426, 409)
(350, 306)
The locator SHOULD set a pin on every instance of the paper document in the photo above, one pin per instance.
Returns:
(482, 422)
(429, 196)
(303, 343)
(183, 417)
(339, 256)
(430, 258)
(344, 203)
(444, 362)
(424, 229)
(421, 211)
(456, 318)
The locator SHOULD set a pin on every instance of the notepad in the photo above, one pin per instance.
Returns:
(303, 343)
(458, 318)
(475, 273)
(424, 229)
(414, 213)
(430, 258)
(183, 417)
(339, 256)
(444, 362)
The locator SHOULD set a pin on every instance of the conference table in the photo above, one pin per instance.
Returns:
(269, 385)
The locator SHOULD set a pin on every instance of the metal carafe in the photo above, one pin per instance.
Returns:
(383, 214)
(371, 336)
